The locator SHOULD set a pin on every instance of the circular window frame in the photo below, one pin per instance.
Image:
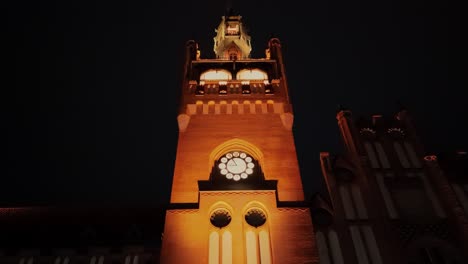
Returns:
(255, 217)
(220, 217)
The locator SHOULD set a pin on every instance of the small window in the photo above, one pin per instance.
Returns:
(131, 259)
(268, 88)
(220, 218)
(246, 88)
(200, 90)
(255, 217)
(222, 88)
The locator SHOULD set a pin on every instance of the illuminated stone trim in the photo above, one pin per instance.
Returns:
(220, 218)
(235, 107)
(430, 158)
(237, 145)
(396, 132)
(182, 211)
(224, 193)
(367, 132)
(255, 217)
(293, 210)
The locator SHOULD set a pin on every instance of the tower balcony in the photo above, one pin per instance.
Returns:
(233, 88)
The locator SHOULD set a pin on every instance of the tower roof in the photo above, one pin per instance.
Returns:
(231, 41)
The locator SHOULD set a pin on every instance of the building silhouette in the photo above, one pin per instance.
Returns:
(237, 195)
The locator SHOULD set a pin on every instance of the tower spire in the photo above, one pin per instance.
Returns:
(231, 41)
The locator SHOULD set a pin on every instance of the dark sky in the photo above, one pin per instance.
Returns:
(90, 93)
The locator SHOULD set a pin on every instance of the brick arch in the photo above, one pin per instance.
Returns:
(236, 144)
(220, 205)
(255, 204)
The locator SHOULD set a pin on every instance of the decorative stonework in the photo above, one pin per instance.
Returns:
(255, 217)
(220, 218)
(183, 121)
(182, 211)
(396, 132)
(367, 132)
(293, 210)
(224, 193)
(430, 158)
(234, 107)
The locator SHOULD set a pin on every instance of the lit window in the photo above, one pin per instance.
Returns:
(216, 75)
(220, 218)
(29, 260)
(62, 260)
(252, 74)
(97, 260)
(257, 239)
(131, 259)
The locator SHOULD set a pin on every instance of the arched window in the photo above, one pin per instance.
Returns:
(401, 154)
(251, 74)
(29, 260)
(257, 237)
(97, 260)
(216, 75)
(412, 154)
(388, 199)
(62, 260)
(220, 240)
(131, 259)
(382, 156)
(335, 247)
(371, 155)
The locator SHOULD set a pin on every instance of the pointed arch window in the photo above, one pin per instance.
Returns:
(27, 260)
(131, 259)
(257, 237)
(97, 260)
(382, 155)
(401, 155)
(335, 247)
(62, 260)
(371, 154)
(220, 239)
(462, 195)
(413, 156)
(365, 244)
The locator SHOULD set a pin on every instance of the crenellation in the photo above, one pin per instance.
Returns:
(234, 107)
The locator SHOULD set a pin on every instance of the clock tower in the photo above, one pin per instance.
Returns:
(237, 194)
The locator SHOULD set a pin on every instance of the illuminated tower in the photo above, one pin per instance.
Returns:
(237, 194)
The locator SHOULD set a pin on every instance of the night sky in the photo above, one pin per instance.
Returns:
(91, 90)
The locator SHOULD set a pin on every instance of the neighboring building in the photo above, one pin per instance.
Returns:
(51, 235)
(237, 194)
(388, 202)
